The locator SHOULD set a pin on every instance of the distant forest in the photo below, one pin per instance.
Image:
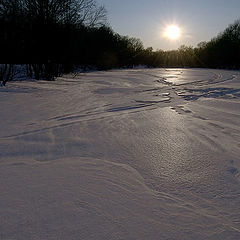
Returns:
(52, 37)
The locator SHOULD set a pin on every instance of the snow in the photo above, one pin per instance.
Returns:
(121, 154)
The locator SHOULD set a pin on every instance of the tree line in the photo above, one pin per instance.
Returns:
(52, 37)
(222, 51)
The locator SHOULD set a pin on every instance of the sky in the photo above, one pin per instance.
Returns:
(198, 20)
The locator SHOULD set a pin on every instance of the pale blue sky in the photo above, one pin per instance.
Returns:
(199, 20)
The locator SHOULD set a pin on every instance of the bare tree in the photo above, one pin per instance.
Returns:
(82, 12)
(6, 73)
(43, 22)
(90, 13)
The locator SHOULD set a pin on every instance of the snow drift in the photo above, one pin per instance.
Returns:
(123, 154)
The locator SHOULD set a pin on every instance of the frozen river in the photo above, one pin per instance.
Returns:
(122, 154)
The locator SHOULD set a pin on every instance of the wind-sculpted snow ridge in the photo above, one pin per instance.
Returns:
(122, 154)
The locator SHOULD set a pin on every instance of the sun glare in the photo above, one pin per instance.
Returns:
(172, 32)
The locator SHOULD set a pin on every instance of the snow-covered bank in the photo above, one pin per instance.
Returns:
(123, 154)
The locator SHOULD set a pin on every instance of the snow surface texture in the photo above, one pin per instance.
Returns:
(123, 154)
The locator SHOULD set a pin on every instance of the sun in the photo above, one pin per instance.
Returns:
(172, 32)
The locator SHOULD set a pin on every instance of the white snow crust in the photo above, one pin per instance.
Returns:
(121, 154)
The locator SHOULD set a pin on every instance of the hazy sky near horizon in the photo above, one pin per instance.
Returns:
(199, 20)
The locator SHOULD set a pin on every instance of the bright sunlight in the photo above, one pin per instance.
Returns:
(172, 32)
